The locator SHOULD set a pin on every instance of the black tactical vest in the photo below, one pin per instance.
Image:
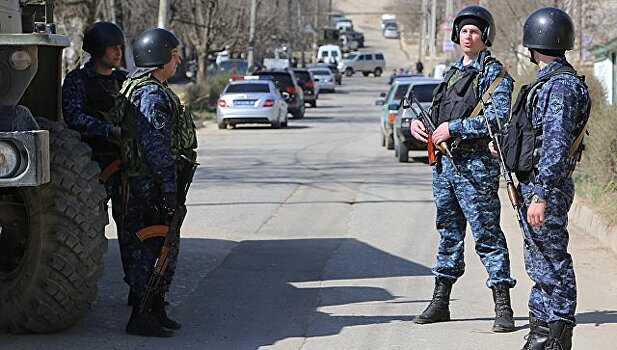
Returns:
(101, 92)
(521, 142)
(456, 96)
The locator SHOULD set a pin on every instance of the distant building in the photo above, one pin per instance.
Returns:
(605, 68)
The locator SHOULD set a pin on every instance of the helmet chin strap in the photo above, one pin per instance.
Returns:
(531, 58)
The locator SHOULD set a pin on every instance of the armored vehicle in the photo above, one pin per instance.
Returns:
(51, 216)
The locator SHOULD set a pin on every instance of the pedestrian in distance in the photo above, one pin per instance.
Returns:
(159, 131)
(392, 77)
(419, 67)
(465, 186)
(542, 144)
(88, 94)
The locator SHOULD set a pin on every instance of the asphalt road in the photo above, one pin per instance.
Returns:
(314, 237)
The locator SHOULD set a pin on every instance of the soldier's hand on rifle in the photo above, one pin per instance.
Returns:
(491, 147)
(441, 134)
(169, 202)
(418, 131)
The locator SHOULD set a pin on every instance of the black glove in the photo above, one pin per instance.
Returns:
(169, 202)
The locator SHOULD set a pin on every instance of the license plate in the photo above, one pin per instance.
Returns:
(244, 102)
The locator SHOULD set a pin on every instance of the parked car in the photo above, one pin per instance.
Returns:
(334, 69)
(251, 100)
(306, 80)
(390, 103)
(365, 62)
(385, 19)
(422, 88)
(329, 54)
(344, 25)
(285, 81)
(391, 31)
(355, 36)
(325, 78)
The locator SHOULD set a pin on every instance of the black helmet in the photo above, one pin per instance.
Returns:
(476, 14)
(153, 47)
(549, 28)
(99, 36)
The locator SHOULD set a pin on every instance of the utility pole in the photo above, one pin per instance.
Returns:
(251, 53)
(580, 31)
(116, 13)
(421, 42)
(302, 35)
(164, 8)
(433, 28)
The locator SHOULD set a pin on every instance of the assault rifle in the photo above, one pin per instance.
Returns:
(430, 128)
(170, 246)
(513, 195)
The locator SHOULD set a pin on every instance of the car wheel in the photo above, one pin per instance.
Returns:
(222, 125)
(377, 72)
(348, 72)
(366, 73)
(402, 152)
(383, 139)
(389, 142)
(314, 104)
(276, 124)
(284, 123)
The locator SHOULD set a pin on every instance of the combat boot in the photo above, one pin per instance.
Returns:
(438, 310)
(560, 336)
(538, 334)
(144, 324)
(504, 316)
(160, 314)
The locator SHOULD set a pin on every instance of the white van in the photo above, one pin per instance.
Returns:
(329, 54)
(344, 25)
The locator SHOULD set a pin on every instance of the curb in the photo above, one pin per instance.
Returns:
(589, 222)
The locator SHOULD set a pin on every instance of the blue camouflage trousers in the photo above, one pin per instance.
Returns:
(548, 263)
(470, 197)
(144, 194)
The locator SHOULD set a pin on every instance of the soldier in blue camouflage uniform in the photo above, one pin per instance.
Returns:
(471, 196)
(156, 131)
(88, 94)
(560, 109)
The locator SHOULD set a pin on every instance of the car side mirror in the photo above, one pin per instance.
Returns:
(394, 106)
(382, 94)
(286, 95)
(380, 102)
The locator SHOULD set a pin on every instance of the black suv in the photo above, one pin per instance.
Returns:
(285, 81)
(307, 83)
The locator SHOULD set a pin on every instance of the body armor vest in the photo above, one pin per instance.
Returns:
(101, 91)
(456, 96)
(184, 136)
(521, 143)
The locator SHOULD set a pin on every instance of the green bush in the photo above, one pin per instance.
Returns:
(596, 175)
(203, 96)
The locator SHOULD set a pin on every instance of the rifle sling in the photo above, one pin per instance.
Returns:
(488, 93)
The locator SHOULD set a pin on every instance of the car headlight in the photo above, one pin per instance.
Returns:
(20, 60)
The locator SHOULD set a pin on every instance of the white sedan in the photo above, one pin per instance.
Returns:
(250, 100)
(325, 78)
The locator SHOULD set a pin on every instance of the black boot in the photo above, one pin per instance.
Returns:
(560, 336)
(158, 311)
(437, 310)
(146, 325)
(538, 334)
(504, 316)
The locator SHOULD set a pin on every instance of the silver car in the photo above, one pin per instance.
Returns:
(251, 100)
(325, 78)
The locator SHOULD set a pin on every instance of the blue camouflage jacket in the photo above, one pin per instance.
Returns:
(470, 128)
(559, 103)
(74, 100)
(153, 114)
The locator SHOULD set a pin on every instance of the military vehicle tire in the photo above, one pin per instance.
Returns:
(49, 275)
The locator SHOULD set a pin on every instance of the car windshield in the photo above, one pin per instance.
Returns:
(281, 80)
(351, 56)
(424, 92)
(321, 72)
(302, 76)
(247, 87)
(399, 93)
(228, 66)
